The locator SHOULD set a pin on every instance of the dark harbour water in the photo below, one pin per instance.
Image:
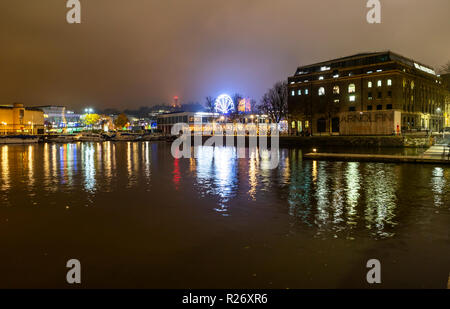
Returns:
(138, 218)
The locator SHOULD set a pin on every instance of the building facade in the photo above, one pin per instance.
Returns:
(206, 121)
(17, 119)
(59, 119)
(366, 94)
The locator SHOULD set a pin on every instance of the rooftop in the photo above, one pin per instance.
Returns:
(366, 58)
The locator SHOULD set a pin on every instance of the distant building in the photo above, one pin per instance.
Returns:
(366, 94)
(165, 122)
(59, 119)
(17, 119)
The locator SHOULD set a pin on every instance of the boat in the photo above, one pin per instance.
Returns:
(125, 136)
(89, 137)
(154, 137)
(19, 139)
(64, 138)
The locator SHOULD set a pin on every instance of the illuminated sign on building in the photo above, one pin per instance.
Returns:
(425, 69)
(244, 106)
(224, 104)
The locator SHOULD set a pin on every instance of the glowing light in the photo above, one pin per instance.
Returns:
(244, 106)
(425, 69)
(224, 104)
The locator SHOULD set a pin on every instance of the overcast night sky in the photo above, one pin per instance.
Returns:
(127, 54)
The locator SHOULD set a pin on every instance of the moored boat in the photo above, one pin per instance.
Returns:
(61, 138)
(19, 139)
(89, 137)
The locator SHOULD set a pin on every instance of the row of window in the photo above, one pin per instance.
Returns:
(379, 107)
(336, 89)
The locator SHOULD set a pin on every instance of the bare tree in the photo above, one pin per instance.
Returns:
(274, 102)
(445, 69)
(253, 105)
(209, 103)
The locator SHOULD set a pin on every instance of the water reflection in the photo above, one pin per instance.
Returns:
(352, 188)
(331, 199)
(88, 164)
(438, 185)
(381, 185)
(5, 169)
(217, 174)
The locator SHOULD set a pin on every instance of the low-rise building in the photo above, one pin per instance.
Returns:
(205, 120)
(59, 119)
(17, 119)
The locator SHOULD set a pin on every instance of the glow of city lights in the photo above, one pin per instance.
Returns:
(224, 104)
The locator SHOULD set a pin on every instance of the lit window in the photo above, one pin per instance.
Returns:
(293, 124)
(306, 91)
(369, 84)
(351, 88)
(352, 98)
(389, 82)
(292, 83)
(336, 89)
(369, 72)
(336, 100)
(379, 70)
(379, 83)
(293, 93)
(320, 77)
(321, 91)
(300, 92)
(335, 75)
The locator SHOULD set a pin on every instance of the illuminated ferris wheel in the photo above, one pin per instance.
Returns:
(224, 104)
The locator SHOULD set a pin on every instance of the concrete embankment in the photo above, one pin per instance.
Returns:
(356, 141)
(375, 158)
(341, 141)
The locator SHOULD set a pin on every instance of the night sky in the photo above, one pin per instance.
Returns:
(132, 53)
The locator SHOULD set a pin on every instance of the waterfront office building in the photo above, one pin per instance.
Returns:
(17, 119)
(379, 93)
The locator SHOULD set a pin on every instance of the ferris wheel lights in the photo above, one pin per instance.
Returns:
(224, 104)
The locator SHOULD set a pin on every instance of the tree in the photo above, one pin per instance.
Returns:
(91, 119)
(209, 104)
(445, 69)
(237, 97)
(274, 102)
(253, 105)
(121, 121)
